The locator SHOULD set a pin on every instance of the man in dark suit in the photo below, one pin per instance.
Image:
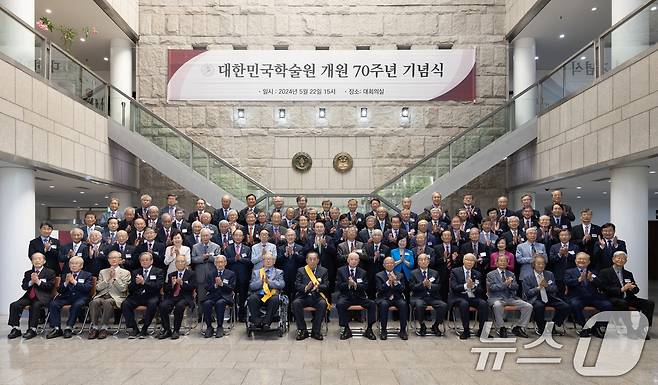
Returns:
(467, 289)
(89, 225)
(381, 219)
(503, 210)
(514, 235)
(561, 257)
(618, 284)
(350, 244)
(178, 294)
(311, 285)
(276, 230)
(559, 220)
(326, 249)
(407, 222)
(456, 232)
(199, 208)
(73, 290)
(606, 247)
(540, 290)
(47, 246)
(127, 251)
(38, 284)
(136, 235)
(395, 233)
(77, 248)
(372, 258)
(352, 282)
(221, 213)
(144, 290)
(365, 234)
(356, 218)
(166, 232)
(251, 208)
(474, 213)
(194, 235)
(390, 292)
(425, 291)
(150, 245)
(238, 257)
(171, 206)
(290, 257)
(582, 291)
(142, 211)
(448, 252)
(477, 248)
(527, 219)
(436, 203)
(556, 198)
(526, 203)
(220, 286)
(180, 223)
(586, 234)
(419, 246)
(110, 231)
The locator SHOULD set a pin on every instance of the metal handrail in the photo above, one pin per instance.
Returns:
(383, 200)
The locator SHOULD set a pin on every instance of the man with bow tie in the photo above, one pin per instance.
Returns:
(178, 294)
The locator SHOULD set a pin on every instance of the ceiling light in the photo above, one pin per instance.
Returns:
(43, 204)
(106, 59)
(536, 57)
(51, 186)
(653, 8)
(95, 204)
(322, 113)
(605, 193)
(561, 36)
(364, 112)
(83, 39)
(282, 113)
(578, 197)
(583, 57)
(48, 10)
(106, 197)
(405, 112)
(74, 201)
(655, 192)
(594, 9)
(652, 172)
(241, 113)
(579, 187)
(82, 192)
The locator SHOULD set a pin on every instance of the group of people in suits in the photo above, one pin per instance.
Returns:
(157, 260)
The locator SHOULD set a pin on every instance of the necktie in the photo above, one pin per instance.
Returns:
(557, 221)
(146, 274)
(586, 229)
(395, 233)
(75, 275)
(446, 250)
(424, 275)
(620, 276)
(475, 249)
(352, 273)
(527, 224)
(237, 249)
(585, 282)
(45, 240)
(196, 239)
(167, 232)
(469, 292)
(532, 248)
(542, 291)
(177, 286)
(609, 243)
(122, 248)
(150, 247)
(502, 212)
(502, 275)
(112, 236)
(376, 248)
(350, 247)
(33, 290)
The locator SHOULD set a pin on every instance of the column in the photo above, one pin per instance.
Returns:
(18, 202)
(525, 74)
(121, 77)
(629, 207)
(632, 37)
(16, 41)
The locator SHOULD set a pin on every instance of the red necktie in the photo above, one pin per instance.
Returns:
(177, 287)
(33, 291)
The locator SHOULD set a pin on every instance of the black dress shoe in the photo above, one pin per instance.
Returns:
(464, 336)
(423, 330)
(132, 334)
(383, 336)
(519, 332)
(369, 334)
(317, 336)
(502, 332)
(435, 329)
(143, 334)
(15, 333)
(219, 332)
(403, 335)
(597, 332)
(584, 333)
(68, 333)
(29, 334)
(164, 334)
(55, 333)
(175, 335)
(266, 327)
(209, 332)
(347, 333)
(301, 335)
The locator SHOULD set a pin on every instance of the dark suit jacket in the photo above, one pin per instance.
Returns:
(162, 236)
(130, 259)
(439, 251)
(565, 223)
(84, 230)
(579, 289)
(508, 237)
(289, 264)
(52, 256)
(578, 233)
(385, 291)
(187, 288)
(458, 239)
(341, 283)
(242, 215)
(328, 254)
(602, 257)
(218, 215)
(609, 284)
(418, 290)
(535, 214)
(359, 220)
(430, 252)
(221, 292)
(364, 235)
(158, 252)
(241, 267)
(83, 252)
(194, 216)
(476, 217)
(141, 212)
(559, 264)
(152, 284)
(531, 290)
(302, 279)
(45, 289)
(467, 247)
(548, 210)
(80, 289)
(458, 280)
(184, 227)
(402, 233)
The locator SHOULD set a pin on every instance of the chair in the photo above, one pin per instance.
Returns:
(53, 293)
(325, 325)
(230, 316)
(152, 327)
(452, 321)
(412, 318)
(390, 331)
(359, 331)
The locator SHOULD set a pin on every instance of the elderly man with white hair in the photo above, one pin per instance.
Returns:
(526, 251)
(73, 290)
(266, 283)
(203, 257)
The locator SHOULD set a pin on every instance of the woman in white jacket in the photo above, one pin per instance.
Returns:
(175, 250)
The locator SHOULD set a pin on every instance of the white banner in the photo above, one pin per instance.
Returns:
(280, 75)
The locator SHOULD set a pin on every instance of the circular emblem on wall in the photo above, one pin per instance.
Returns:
(343, 162)
(302, 161)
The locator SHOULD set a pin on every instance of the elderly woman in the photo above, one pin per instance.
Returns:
(111, 290)
(176, 249)
(501, 244)
(403, 258)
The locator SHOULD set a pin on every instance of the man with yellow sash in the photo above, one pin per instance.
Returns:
(311, 284)
(266, 283)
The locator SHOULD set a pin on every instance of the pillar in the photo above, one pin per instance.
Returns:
(17, 41)
(121, 77)
(18, 203)
(525, 74)
(629, 207)
(632, 37)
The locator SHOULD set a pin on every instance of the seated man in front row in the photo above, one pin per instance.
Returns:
(390, 292)
(144, 289)
(426, 291)
(111, 291)
(352, 284)
(73, 290)
(502, 292)
(265, 285)
(310, 283)
(466, 290)
(220, 284)
(541, 290)
(38, 285)
(178, 294)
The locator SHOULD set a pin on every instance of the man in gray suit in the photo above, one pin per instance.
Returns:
(265, 285)
(501, 287)
(350, 245)
(540, 290)
(261, 248)
(526, 251)
(203, 258)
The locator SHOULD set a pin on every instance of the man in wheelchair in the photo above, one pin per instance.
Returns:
(265, 285)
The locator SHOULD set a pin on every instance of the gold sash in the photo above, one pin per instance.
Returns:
(315, 281)
(266, 288)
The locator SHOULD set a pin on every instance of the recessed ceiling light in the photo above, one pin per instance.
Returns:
(579, 187)
(95, 204)
(107, 197)
(48, 10)
(655, 192)
(51, 186)
(561, 36)
(536, 57)
(653, 8)
(609, 180)
(578, 197)
(652, 172)
(83, 39)
(43, 204)
(583, 57)
(605, 193)
(82, 192)
(74, 201)
(106, 59)
(594, 9)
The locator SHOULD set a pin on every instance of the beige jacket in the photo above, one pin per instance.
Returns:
(118, 289)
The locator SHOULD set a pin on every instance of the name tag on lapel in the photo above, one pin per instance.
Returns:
(152, 277)
(432, 279)
(54, 247)
(81, 280)
(359, 280)
(128, 256)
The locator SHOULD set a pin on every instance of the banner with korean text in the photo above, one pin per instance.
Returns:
(341, 75)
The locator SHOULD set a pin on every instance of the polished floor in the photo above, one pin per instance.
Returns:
(237, 359)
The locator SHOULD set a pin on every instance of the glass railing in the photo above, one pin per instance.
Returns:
(266, 202)
(76, 80)
(574, 75)
(21, 43)
(136, 117)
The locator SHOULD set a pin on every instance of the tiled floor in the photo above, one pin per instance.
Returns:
(267, 360)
